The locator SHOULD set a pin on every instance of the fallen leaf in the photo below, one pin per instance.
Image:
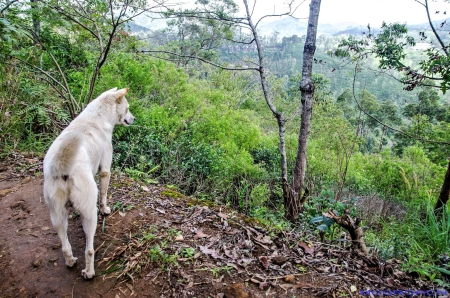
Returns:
(26, 180)
(309, 249)
(264, 239)
(4, 192)
(279, 260)
(144, 188)
(223, 215)
(121, 213)
(244, 262)
(161, 210)
(227, 252)
(286, 286)
(236, 291)
(200, 234)
(264, 285)
(302, 286)
(264, 261)
(179, 237)
(212, 252)
(289, 278)
(353, 288)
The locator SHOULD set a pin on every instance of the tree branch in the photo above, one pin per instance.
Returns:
(8, 4)
(387, 126)
(444, 48)
(200, 59)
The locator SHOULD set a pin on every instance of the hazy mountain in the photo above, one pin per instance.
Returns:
(135, 28)
(284, 26)
(146, 21)
(289, 26)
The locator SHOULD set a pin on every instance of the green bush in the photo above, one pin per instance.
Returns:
(186, 129)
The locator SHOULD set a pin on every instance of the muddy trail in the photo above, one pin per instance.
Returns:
(159, 243)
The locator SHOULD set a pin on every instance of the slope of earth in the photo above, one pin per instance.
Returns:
(159, 243)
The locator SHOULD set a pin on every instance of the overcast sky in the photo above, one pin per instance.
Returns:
(361, 11)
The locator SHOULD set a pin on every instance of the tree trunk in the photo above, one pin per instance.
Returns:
(287, 193)
(307, 91)
(381, 139)
(445, 191)
(36, 21)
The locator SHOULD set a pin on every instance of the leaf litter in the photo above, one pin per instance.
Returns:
(215, 243)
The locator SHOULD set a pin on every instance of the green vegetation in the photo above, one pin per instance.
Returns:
(207, 131)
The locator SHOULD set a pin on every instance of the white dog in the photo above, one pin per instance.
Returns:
(79, 152)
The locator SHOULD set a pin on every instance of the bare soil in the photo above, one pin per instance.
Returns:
(159, 243)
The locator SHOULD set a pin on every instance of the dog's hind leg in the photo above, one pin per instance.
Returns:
(58, 215)
(85, 201)
(89, 227)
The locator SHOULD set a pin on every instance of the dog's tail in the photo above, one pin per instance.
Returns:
(64, 158)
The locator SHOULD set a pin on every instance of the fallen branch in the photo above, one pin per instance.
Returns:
(352, 226)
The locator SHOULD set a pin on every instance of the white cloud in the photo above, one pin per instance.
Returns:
(359, 11)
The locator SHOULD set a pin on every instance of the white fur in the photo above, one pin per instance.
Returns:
(77, 154)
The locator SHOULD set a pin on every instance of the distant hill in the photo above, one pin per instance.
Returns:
(289, 26)
(331, 29)
(145, 23)
(284, 26)
(135, 28)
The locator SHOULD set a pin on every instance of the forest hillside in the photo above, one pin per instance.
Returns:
(218, 103)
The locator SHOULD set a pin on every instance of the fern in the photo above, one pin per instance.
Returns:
(43, 118)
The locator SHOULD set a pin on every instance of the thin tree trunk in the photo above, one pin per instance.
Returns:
(445, 192)
(36, 21)
(381, 139)
(307, 91)
(104, 50)
(278, 116)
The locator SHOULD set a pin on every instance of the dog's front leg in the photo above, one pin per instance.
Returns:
(104, 182)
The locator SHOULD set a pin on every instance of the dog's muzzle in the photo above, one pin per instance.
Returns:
(130, 121)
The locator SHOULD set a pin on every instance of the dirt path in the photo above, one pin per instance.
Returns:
(31, 259)
(158, 243)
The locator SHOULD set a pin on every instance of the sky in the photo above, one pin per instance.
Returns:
(363, 12)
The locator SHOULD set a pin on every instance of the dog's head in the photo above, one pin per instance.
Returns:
(123, 108)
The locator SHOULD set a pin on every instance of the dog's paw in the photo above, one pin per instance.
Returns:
(105, 210)
(71, 261)
(87, 274)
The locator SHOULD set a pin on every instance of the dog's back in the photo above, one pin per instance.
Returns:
(59, 165)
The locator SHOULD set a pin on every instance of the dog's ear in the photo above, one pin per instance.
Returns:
(120, 94)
